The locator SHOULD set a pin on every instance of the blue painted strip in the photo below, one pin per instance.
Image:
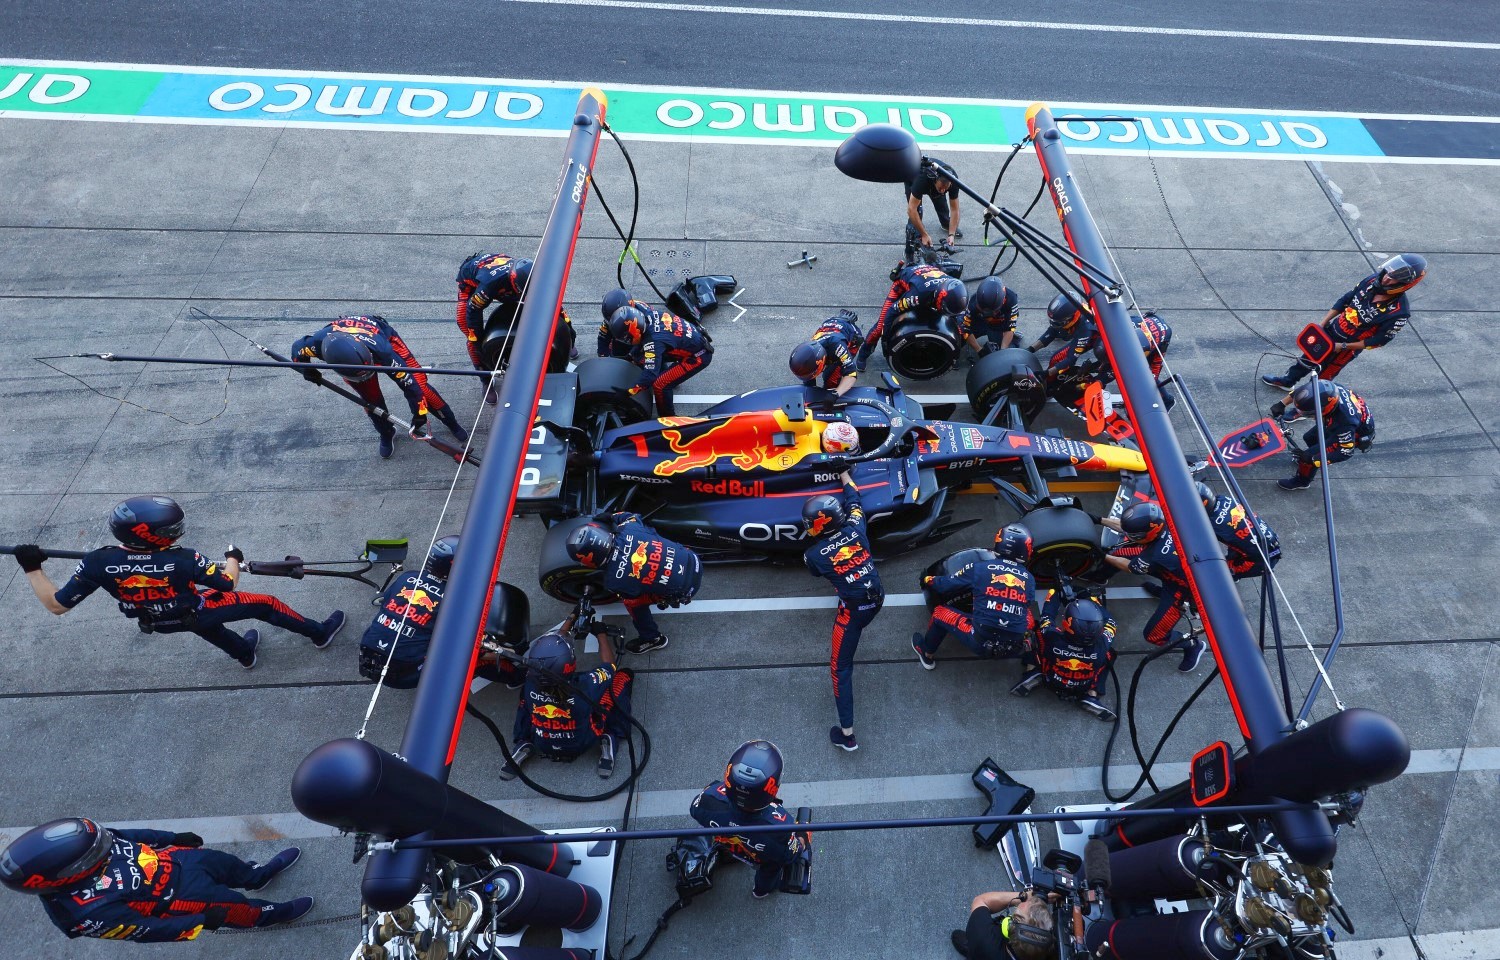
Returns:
(309, 98)
(1244, 133)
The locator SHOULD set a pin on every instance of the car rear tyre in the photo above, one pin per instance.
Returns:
(1010, 374)
(510, 616)
(604, 388)
(495, 333)
(563, 578)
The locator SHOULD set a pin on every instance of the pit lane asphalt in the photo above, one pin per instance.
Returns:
(113, 231)
(520, 39)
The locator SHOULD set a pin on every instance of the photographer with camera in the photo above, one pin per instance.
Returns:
(746, 796)
(561, 715)
(1008, 926)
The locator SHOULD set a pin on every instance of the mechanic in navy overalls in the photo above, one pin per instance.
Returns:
(829, 354)
(1366, 318)
(371, 341)
(157, 583)
(641, 567)
(840, 553)
(1348, 425)
(401, 632)
(668, 349)
(144, 886)
(1002, 589)
(919, 287)
(991, 316)
(614, 300)
(744, 797)
(1066, 322)
(1251, 547)
(1148, 549)
(560, 714)
(1070, 653)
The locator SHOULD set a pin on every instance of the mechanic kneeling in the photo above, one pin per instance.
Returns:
(561, 715)
(1002, 589)
(1150, 550)
(920, 287)
(1008, 926)
(1348, 425)
(829, 354)
(991, 315)
(149, 886)
(408, 616)
(641, 567)
(746, 796)
(1071, 653)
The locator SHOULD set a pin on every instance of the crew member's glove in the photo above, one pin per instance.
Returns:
(1278, 408)
(310, 374)
(234, 553)
(418, 422)
(927, 581)
(30, 557)
(186, 840)
(214, 917)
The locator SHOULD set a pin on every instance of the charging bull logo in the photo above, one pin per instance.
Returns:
(1239, 521)
(849, 558)
(638, 560)
(747, 440)
(418, 598)
(139, 588)
(550, 718)
(140, 582)
(1006, 586)
(415, 604)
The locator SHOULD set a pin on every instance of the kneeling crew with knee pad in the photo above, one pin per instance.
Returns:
(1002, 589)
(157, 584)
(746, 796)
(561, 714)
(1070, 653)
(641, 567)
(1348, 426)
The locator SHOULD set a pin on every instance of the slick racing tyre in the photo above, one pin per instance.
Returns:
(947, 567)
(562, 577)
(1010, 374)
(510, 617)
(494, 339)
(604, 388)
(1064, 544)
(921, 347)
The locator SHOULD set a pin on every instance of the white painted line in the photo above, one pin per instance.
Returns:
(896, 18)
(757, 604)
(825, 794)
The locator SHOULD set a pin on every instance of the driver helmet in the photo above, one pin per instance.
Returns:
(989, 297)
(1083, 619)
(1013, 542)
(346, 348)
(753, 775)
(440, 557)
(55, 856)
(840, 437)
(822, 514)
(147, 523)
(1402, 272)
(627, 325)
(807, 360)
(590, 545)
(1142, 522)
(953, 297)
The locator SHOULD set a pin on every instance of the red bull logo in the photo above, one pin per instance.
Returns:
(746, 440)
(1008, 579)
(142, 582)
(638, 560)
(549, 710)
(1239, 521)
(730, 488)
(418, 598)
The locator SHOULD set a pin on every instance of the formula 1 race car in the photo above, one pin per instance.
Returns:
(731, 482)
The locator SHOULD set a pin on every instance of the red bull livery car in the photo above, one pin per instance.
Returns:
(731, 482)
